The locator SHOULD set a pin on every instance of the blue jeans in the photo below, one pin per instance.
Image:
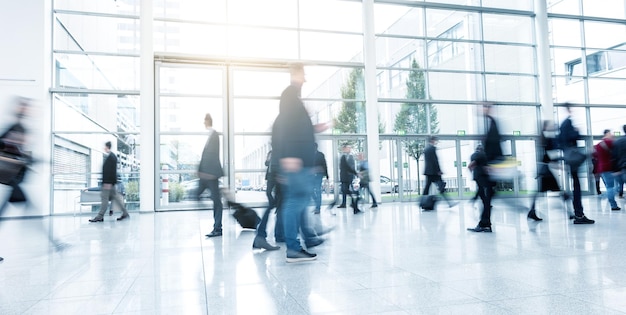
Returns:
(609, 182)
(296, 193)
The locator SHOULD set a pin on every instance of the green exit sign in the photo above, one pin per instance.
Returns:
(405, 165)
(617, 133)
(460, 132)
(516, 132)
(401, 132)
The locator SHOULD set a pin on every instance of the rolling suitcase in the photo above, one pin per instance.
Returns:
(247, 217)
(428, 202)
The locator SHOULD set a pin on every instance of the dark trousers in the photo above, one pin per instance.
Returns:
(365, 186)
(577, 195)
(274, 201)
(441, 186)
(485, 192)
(216, 196)
(346, 189)
(317, 191)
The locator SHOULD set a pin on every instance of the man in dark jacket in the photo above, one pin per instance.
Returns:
(209, 172)
(347, 173)
(619, 156)
(432, 170)
(108, 191)
(293, 150)
(568, 135)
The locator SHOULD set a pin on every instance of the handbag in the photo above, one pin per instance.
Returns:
(573, 157)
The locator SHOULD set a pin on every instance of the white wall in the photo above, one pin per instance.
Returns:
(25, 71)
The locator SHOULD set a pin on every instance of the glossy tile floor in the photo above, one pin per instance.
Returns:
(393, 260)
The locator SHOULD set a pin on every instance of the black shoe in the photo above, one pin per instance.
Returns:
(616, 208)
(260, 242)
(302, 255)
(110, 212)
(533, 215)
(479, 228)
(1, 259)
(313, 242)
(357, 211)
(374, 206)
(215, 233)
(341, 206)
(583, 220)
(123, 217)
(96, 219)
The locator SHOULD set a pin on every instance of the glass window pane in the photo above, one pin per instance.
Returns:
(251, 154)
(129, 7)
(607, 91)
(569, 89)
(512, 119)
(508, 28)
(607, 118)
(567, 62)
(260, 83)
(509, 59)
(98, 34)
(448, 55)
(318, 46)
(594, 32)
(330, 82)
(526, 5)
(186, 114)
(564, 6)
(183, 152)
(447, 24)
(95, 113)
(390, 50)
(196, 80)
(195, 10)
(458, 118)
(511, 88)
(329, 15)
(97, 72)
(255, 115)
(565, 32)
(615, 9)
(455, 86)
(267, 13)
(190, 38)
(267, 43)
(398, 20)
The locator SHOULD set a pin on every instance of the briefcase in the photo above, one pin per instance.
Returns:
(10, 168)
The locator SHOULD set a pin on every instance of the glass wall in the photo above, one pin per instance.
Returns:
(436, 62)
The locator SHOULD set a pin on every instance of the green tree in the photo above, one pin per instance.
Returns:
(351, 118)
(414, 116)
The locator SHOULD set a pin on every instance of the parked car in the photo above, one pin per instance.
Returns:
(388, 186)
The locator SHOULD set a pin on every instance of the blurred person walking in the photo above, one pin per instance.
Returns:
(606, 168)
(293, 143)
(209, 172)
(568, 135)
(321, 171)
(108, 190)
(619, 156)
(432, 170)
(492, 152)
(364, 178)
(347, 174)
(260, 241)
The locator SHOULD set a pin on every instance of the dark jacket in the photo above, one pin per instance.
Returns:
(293, 135)
(431, 162)
(603, 152)
(479, 162)
(568, 134)
(619, 152)
(109, 169)
(320, 164)
(347, 172)
(210, 161)
(491, 143)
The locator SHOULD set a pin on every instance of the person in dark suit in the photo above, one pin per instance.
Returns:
(293, 151)
(568, 135)
(478, 166)
(347, 173)
(209, 172)
(364, 178)
(492, 151)
(108, 191)
(432, 170)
